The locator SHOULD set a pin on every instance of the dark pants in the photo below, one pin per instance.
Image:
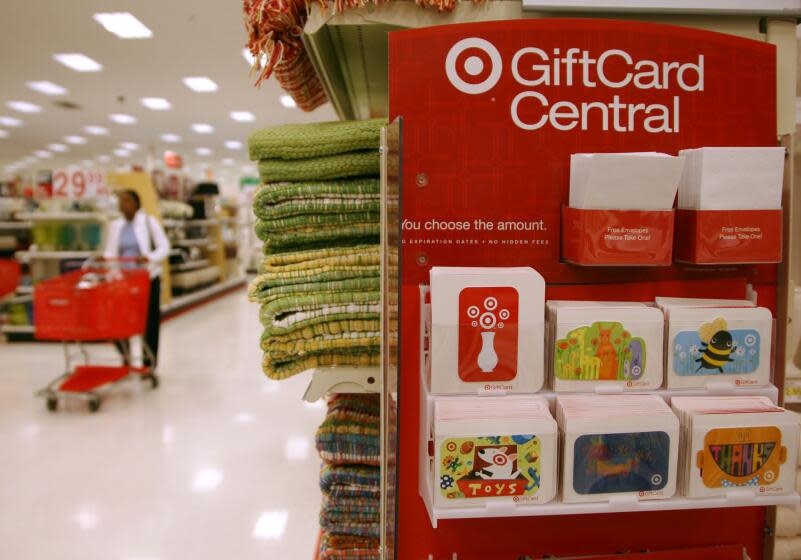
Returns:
(152, 326)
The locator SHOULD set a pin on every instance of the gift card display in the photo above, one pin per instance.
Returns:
(602, 351)
(741, 457)
(630, 462)
(490, 467)
(714, 348)
(488, 334)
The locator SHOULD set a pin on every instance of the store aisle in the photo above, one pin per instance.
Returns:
(205, 467)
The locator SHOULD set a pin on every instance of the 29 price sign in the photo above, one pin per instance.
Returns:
(78, 183)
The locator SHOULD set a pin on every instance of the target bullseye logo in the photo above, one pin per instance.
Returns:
(474, 65)
(500, 459)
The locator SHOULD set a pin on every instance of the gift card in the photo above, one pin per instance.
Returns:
(734, 457)
(490, 467)
(488, 319)
(604, 351)
(628, 462)
(716, 349)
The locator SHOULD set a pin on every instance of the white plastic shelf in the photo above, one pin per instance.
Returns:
(15, 225)
(326, 380)
(192, 265)
(53, 255)
(181, 302)
(63, 216)
(17, 329)
(189, 223)
(203, 242)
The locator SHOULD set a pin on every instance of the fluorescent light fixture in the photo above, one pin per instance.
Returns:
(23, 107)
(3, 133)
(48, 88)
(200, 83)
(10, 122)
(297, 448)
(228, 161)
(271, 525)
(57, 147)
(78, 62)
(95, 130)
(121, 118)
(103, 158)
(203, 152)
(87, 163)
(77, 140)
(170, 138)
(43, 154)
(233, 144)
(156, 103)
(119, 152)
(288, 102)
(202, 128)
(243, 116)
(207, 479)
(129, 146)
(124, 25)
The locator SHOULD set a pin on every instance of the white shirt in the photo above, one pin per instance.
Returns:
(145, 227)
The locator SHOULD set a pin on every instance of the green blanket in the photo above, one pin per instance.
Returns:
(265, 228)
(275, 193)
(300, 141)
(260, 291)
(327, 236)
(357, 357)
(340, 166)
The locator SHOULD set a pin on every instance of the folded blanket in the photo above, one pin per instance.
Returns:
(338, 328)
(288, 369)
(286, 349)
(341, 166)
(286, 311)
(300, 141)
(325, 236)
(350, 481)
(348, 547)
(268, 195)
(260, 291)
(265, 228)
(307, 258)
(350, 432)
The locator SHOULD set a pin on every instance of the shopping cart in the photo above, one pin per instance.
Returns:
(9, 276)
(104, 301)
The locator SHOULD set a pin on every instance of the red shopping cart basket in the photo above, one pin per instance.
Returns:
(92, 304)
(9, 276)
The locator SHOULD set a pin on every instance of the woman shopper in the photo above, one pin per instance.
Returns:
(140, 236)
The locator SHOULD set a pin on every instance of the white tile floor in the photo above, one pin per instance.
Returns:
(218, 462)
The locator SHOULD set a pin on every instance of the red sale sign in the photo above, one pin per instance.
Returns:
(78, 183)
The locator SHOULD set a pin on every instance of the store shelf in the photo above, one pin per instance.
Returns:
(189, 266)
(53, 255)
(189, 223)
(63, 216)
(17, 329)
(24, 289)
(15, 225)
(192, 242)
(327, 380)
(187, 300)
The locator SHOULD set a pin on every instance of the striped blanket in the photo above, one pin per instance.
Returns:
(350, 432)
(303, 141)
(348, 547)
(339, 166)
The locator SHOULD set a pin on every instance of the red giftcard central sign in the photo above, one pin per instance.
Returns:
(488, 320)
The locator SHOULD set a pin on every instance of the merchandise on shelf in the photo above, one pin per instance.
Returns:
(320, 277)
(730, 443)
(487, 330)
(716, 342)
(617, 445)
(174, 209)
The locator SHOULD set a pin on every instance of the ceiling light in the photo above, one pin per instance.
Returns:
(43, 154)
(156, 103)
(200, 83)
(23, 107)
(124, 25)
(202, 128)
(3, 133)
(87, 163)
(233, 144)
(121, 153)
(288, 102)
(10, 121)
(121, 118)
(228, 161)
(103, 158)
(271, 525)
(243, 116)
(78, 62)
(48, 88)
(129, 146)
(57, 147)
(75, 140)
(171, 138)
(95, 130)
(203, 152)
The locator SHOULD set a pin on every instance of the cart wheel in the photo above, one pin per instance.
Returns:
(154, 381)
(52, 403)
(94, 404)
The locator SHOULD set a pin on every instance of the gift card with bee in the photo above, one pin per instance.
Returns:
(715, 348)
(490, 467)
(613, 463)
(734, 457)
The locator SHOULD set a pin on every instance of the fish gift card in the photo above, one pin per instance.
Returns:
(487, 330)
(729, 345)
(736, 443)
(593, 345)
(617, 445)
(491, 449)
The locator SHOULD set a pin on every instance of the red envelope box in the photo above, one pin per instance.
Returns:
(617, 237)
(728, 236)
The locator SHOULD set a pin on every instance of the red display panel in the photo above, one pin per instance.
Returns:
(491, 113)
